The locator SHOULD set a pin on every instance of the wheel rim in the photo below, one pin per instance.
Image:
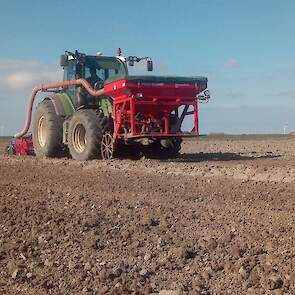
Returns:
(107, 146)
(79, 138)
(42, 131)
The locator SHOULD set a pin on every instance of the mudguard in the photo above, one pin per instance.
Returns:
(62, 104)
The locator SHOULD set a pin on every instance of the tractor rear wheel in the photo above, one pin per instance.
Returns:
(90, 136)
(47, 131)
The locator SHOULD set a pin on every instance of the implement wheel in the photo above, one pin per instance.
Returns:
(47, 131)
(107, 146)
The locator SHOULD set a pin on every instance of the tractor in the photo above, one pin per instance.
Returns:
(101, 111)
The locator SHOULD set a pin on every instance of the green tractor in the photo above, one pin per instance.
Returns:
(71, 119)
(99, 110)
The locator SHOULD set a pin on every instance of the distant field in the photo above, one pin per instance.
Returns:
(243, 136)
(200, 144)
(218, 136)
(5, 138)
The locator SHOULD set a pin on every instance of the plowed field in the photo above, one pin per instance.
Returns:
(220, 219)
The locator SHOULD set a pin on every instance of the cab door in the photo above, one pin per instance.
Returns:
(70, 74)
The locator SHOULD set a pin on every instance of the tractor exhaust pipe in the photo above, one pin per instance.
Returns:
(51, 86)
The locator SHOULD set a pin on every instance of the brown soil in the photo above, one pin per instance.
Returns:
(218, 220)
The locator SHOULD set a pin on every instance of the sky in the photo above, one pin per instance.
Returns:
(245, 48)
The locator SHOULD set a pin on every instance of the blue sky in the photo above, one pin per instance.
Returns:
(245, 48)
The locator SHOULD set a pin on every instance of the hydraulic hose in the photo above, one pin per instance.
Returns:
(51, 86)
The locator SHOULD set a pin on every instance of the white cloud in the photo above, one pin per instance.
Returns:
(232, 63)
(14, 64)
(18, 75)
(18, 80)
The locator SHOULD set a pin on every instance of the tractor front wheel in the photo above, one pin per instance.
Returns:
(47, 130)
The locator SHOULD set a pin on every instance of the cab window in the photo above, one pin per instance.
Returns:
(112, 73)
(70, 73)
(106, 68)
(99, 72)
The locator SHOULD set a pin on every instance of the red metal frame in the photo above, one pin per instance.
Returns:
(153, 103)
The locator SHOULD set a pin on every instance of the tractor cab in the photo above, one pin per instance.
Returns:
(101, 68)
(96, 70)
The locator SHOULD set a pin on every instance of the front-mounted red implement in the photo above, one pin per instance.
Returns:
(22, 146)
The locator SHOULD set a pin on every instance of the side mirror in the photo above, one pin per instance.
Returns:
(150, 66)
(63, 60)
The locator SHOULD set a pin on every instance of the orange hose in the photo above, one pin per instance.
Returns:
(44, 87)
